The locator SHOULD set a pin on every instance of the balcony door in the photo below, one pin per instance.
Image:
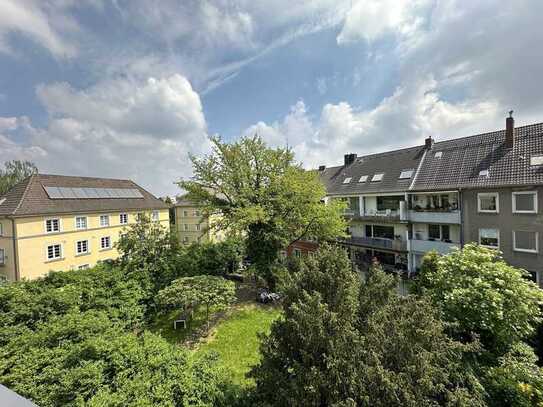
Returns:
(383, 232)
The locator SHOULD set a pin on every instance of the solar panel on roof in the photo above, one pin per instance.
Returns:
(67, 193)
(137, 193)
(92, 193)
(79, 193)
(53, 192)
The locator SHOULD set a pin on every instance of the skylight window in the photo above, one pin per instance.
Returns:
(438, 154)
(406, 174)
(484, 173)
(536, 160)
(377, 177)
(363, 178)
(347, 180)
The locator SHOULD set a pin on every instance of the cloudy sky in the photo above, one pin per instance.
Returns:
(127, 88)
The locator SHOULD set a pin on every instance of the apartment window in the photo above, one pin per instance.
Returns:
(154, 216)
(81, 222)
(438, 154)
(123, 218)
(297, 253)
(488, 202)
(406, 174)
(536, 160)
(525, 202)
(1, 230)
(484, 173)
(198, 228)
(84, 267)
(139, 216)
(52, 225)
(347, 180)
(377, 177)
(186, 227)
(363, 178)
(489, 238)
(185, 239)
(54, 252)
(82, 247)
(196, 213)
(434, 232)
(105, 242)
(525, 241)
(445, 232)
(104, 220)
(2, 257)
(185, 213)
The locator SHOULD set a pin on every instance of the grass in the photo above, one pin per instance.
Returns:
(163, 326)
(236, 341)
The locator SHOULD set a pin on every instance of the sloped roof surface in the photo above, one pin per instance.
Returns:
(463, 159)
(30, 198)
(390, 164)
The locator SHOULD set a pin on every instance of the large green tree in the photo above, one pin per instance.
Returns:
(481, 297)
(343, 342)
(263, 194)
(14, 172)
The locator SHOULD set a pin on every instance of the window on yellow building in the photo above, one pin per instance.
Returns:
(81, 222)
(154, 216)
(82, 247)
(123, 218)
(54, 252)
(52, 225)
(105, 242)
(2, 257)
(104, 220)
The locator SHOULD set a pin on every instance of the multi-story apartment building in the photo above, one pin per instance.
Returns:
(190, 223)
(52, 222)
(485, 188)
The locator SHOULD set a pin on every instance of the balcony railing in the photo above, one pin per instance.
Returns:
(428, 216)
(377, 243)
(424, 246)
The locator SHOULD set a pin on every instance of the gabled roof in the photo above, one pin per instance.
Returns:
(390, 164)
(463, 159)
(29, 197)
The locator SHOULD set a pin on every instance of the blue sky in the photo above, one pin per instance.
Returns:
(128, 89)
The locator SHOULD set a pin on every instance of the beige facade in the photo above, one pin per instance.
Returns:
(32, 246)
(192, 226)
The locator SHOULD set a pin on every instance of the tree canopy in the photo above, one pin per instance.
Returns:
(14, 172)
(262, 194)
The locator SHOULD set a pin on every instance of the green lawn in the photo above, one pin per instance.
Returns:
(236, 339)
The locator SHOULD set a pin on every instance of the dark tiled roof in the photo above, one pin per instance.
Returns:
(391, 164)
(463, 159)
(29, 196)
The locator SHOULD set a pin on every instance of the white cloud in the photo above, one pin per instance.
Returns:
(403, 119)
(142, 131)
(43, 21)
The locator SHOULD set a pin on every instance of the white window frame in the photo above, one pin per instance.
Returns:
(155, 216)
(83, 267)
(516, 249)
(106, 224)
(186, 227)
(77, 252)
(2, 256)
(102, 247)
(378, 177)
(121, 218)
(514, 202)
(347, 180)
(363, 178)
(198, 227)
(406, 174)
(86, 223)
(61, 251)
(488, 194)
(498, 236)
(52, 231)
(185, 214)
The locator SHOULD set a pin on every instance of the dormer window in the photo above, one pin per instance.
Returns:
(363, 178)
(347, 180)
(438, 154)
(406, 174)
(484, 173)
(536, 160)
(377, 177)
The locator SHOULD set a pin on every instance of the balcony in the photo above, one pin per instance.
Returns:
(424, 246)
(434, 216)
(377, 243)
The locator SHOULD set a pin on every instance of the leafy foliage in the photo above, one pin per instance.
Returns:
(262, 194)
(333, 347)
(481, 296)
(14, 172)
(211, 258)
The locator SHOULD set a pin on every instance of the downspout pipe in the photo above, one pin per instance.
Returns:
(15, 254)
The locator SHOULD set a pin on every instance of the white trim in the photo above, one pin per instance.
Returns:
(378, 177)
(488, 194)
(498, 236)
(53, 258)
(514, 202)
(516, 249)
(106, 215)
(77, 252)
(121, 217)
(52, 231)
(86, 222)
(102, 247)
(83, 266)
(155, 218)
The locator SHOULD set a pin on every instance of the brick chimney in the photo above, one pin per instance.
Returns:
(349, 159)
(428, 143)
(510, 131)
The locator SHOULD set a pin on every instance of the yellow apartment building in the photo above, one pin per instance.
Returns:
(52, 222)
(191, 225)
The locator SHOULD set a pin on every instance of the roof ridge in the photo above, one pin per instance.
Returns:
(86, 177)
(29, 178)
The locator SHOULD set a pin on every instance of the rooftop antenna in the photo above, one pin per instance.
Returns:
(510, 113)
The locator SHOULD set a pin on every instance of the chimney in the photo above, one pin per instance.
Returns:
(322, 168)
(428, 143)
(349, 159)
(510, 131)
